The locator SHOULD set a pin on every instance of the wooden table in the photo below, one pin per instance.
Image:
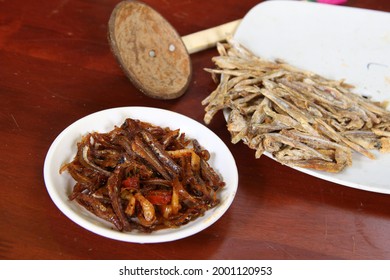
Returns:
(56, 67)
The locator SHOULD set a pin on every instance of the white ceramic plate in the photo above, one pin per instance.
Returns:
(64, 148)
(336, 42)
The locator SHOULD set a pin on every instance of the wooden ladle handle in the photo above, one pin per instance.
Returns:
(208, 38)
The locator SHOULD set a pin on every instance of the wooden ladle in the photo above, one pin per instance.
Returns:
(150, 51)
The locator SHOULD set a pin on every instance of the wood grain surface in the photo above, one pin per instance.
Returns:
(56, 67)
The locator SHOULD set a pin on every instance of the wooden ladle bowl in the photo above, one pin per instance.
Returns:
(149, 50)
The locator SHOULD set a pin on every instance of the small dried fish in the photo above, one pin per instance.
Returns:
(302, 118)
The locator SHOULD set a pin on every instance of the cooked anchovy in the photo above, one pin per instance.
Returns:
(113, 186)
(144, 152)
(84, 159)
(143, 177)
(125, 143)
(170, 137)
(172, 168)
(210, 174)
(99, 209)
(272, 106)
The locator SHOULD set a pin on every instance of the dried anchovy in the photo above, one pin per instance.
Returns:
(301, 118)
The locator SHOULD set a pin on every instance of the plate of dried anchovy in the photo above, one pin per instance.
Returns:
(308, 85)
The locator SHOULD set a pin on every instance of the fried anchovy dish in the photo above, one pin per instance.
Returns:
(302, 119)
(143, 177)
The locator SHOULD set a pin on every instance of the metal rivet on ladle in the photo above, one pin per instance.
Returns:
(172, 48)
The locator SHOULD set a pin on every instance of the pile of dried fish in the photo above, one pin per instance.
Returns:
(301, 118)
(142, 176)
